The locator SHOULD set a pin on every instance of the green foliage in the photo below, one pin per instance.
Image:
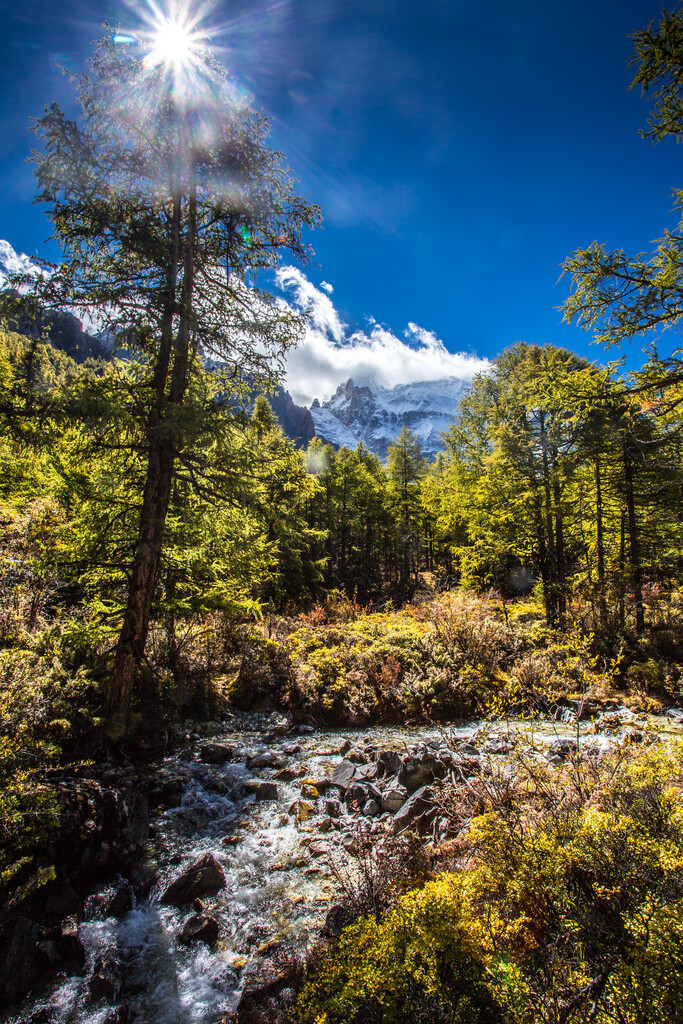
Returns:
(566, 907)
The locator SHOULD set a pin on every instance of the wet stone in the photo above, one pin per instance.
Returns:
(203, 878)
(262, 790)
(200, 928)
(215, 753)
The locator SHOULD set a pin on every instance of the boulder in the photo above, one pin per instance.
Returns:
(200, 928)
(419, 804)
(203, 878)
(265, 761)
(215, 753)
(388, 763)
(106, 981)
(361, 791)
(392, 800)
(117, 902)
(562, 747)
(288, 774)
(419, 770)
(675, 713)
(344, 774)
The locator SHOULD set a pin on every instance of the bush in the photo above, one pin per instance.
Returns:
(567, 909)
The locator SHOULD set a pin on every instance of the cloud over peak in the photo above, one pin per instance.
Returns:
(330, 354)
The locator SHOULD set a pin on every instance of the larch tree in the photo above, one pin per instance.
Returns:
(167, 202)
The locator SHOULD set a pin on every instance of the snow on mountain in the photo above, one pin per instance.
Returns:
(363, 410)
(12, 262)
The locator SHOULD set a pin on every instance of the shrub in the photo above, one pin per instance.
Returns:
(567, 909)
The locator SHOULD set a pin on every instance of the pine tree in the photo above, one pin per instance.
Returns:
(166, 203)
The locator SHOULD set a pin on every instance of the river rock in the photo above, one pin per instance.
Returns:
(419, 804)
(215, 753)
(333, 808)
(309, 792)
(418, 771)
(203, 878)
(356, 757)
(562, 747)
(344, 748)
(116, 903)
(498, 744)
(71, 949)
(301, 810)
(261, 790)
(388, 763)
(200, 928)
(371, 808)
(392, 800)
(675, 713)
(265, 761)
(106, 981)
(344, 774)
(361, 791)
(289, 774)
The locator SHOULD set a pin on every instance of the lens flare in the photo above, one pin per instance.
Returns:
(174, 44)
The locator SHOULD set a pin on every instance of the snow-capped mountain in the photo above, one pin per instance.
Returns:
(12, 262)
(363, 410)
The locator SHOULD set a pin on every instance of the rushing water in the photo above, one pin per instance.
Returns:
(279, 885)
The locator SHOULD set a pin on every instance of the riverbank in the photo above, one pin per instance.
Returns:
(287, 817)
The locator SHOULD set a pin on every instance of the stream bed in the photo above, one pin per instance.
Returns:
(278, 888)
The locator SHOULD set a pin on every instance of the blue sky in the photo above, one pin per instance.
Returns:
(459, 151)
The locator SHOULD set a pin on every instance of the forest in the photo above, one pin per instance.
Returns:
(172, 564)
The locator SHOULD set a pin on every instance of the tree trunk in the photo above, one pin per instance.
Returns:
(600, 544)
(162, 450)
(636, 569)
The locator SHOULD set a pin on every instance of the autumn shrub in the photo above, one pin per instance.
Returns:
(46, 710)
(567, 908)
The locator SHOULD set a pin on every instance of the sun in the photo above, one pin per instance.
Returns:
(173, 44)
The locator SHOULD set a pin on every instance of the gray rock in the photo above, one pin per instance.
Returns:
(393, 799)
(359, 792)
(215, 753)
(118, 902)
(675, 713)
(419, 804)
(371, 808)
(333, 808)
(344, 774)
(203, 878)
(388, 763)
(265, 761)
(106, 981)
(419, 771)
(562, 747)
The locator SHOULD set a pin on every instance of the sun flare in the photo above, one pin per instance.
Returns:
(173, 44)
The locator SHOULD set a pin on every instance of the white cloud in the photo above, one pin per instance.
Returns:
(326, 287)
(329, 354)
